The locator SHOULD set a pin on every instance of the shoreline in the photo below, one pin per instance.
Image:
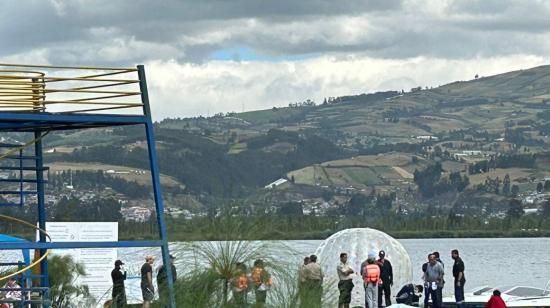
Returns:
(325, 234)
(321, 235)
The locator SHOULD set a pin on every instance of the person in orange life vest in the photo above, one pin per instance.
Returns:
(240, 285)
(262, 282)
(495, 301)
(371, 279)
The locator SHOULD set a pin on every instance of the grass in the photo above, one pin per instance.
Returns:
(403, 173)
(515, 174)
(144, 177)
(238, 148)
(363, 175)
(303, 176)
(360, 171)
(270, 115)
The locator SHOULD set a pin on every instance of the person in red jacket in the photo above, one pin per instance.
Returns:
(495, 301)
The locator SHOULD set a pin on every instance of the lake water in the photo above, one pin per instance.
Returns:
(488, 261)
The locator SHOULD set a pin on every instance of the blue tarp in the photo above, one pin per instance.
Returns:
(26, 254)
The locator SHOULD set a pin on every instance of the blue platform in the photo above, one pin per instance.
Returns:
(34, 95)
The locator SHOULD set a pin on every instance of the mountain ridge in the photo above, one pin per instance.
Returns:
(235, 155)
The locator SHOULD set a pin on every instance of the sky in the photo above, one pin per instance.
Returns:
(208, 56)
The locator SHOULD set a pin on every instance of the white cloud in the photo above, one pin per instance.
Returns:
(361, 45)
(181, 90)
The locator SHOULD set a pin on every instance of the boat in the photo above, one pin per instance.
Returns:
(513, 296)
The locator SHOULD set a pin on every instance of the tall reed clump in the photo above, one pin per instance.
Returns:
(65, 290)
(213, 265)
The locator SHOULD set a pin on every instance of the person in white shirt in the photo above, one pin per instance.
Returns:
(12, 295)
(345, 285)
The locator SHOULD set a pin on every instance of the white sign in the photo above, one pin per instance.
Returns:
(98, 262)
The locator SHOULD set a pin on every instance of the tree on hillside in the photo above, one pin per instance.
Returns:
(291, 208)
(546, 208)
(384, 202)
(492, 185)
(427, 179)
(539, 187)
(358, 204)
(547, 185)
(506, 185)
(515, 209)
(514, 191)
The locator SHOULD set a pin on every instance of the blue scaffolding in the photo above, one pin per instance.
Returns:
(33, 101)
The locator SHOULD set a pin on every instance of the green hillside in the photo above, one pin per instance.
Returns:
(357, 144)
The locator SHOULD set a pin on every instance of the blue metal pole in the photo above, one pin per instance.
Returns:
(41, 208)
(155, 174)
(21, 176)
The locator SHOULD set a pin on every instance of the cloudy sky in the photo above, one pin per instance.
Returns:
(209, 56)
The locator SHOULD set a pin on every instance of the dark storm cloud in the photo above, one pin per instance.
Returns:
(188, 31)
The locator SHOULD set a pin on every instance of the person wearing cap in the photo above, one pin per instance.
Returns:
(371, 281)
(119, 291)
(162, 279)
(386, 275)
(147, 288)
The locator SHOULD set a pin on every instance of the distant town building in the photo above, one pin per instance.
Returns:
(276, 183)
(136, 213)
(427, 137)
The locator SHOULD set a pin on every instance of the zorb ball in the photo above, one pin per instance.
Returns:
(358, 243)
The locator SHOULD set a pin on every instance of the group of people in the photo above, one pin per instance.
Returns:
(119, 275)
(434, 279)
(376, 273)
(377, 276)
(310, 287)
(258, 279)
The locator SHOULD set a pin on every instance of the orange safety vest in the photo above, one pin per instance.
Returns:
(243, 281)
(372, 274)
(257, 277)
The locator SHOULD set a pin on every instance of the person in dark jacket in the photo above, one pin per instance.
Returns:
(386, 275)
(119, 291)
(459, 278)
(409, 295)
(162, 280)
